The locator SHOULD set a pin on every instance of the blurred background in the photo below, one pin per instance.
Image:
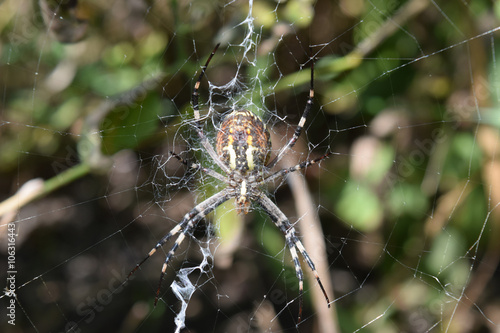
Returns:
(405, 222)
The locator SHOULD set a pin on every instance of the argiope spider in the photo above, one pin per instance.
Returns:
(243, 148)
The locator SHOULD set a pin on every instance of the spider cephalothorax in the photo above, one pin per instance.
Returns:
(242, 152)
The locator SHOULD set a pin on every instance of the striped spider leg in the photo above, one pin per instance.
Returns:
(293, 243)
(187, 224)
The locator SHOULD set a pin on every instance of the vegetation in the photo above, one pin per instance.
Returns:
(96, 93)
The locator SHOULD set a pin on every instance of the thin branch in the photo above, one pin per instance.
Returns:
(355, 58)
(37, 188)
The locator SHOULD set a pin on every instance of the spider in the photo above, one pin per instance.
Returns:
(243, 148)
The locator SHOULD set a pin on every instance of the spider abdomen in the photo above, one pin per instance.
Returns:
(243, 142)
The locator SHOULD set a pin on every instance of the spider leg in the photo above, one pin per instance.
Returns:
(301, 123)
(187, 223)
(197, 166)
(297, 167)
(293, 244)
(196, 109)
(197, 86)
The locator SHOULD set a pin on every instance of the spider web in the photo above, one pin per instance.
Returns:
(401, 220)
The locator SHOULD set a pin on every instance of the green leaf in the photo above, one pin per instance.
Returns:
(127, 126)
(360, 207)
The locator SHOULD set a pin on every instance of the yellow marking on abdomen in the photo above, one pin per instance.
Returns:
(231, 151)
(249, 153)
